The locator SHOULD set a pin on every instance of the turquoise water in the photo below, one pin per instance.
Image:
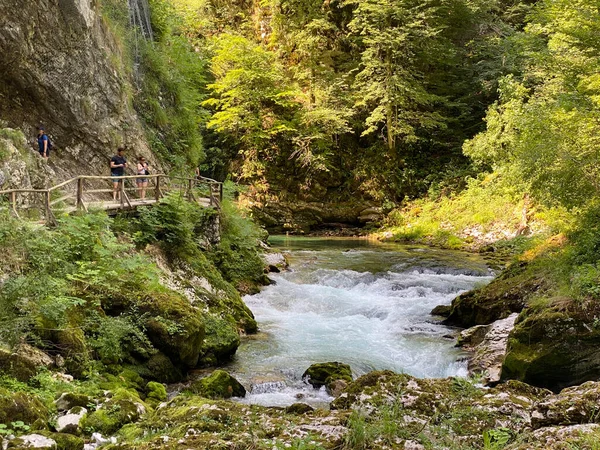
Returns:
(363, 303)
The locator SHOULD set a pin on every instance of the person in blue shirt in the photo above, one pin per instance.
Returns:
(43, 143)
(118, 163)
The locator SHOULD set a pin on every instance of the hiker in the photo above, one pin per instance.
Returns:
(142, 183)
(44, 144)
(117, 170)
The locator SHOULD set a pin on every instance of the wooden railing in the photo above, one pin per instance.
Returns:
(86, 192)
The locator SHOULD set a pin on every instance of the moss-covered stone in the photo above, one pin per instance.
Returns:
(324, 374)
(507, 294)
(16, 406)
(173, 325)
(122, 408)
(555, 346)
(161, 369)
(221, 341)
(219, 384)
(23, 362)
(68, 400)
(65, 441)
(156, 391)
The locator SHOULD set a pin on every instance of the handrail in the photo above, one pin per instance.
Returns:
(215, 192)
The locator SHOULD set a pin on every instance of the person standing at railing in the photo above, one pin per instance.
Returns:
(142, 183)
(117, 169)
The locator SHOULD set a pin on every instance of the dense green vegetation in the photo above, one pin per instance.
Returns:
(89, 292)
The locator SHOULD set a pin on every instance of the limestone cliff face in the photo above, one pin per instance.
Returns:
(59, 66)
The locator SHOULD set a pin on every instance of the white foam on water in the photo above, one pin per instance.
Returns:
(371, 321)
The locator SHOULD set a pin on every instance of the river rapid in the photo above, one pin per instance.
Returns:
(363, 303)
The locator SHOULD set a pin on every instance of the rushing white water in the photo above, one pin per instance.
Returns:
(368, 307)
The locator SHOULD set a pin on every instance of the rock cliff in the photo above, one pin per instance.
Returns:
(62, 67)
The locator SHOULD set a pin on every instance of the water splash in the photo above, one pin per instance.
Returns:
(328, 309)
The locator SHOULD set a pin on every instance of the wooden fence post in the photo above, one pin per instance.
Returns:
(80, 193)
(157, 189)
(49, 216)
(122, 193)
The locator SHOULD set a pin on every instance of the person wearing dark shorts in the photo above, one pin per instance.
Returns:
(117, 170)
(142, 183)
(43, 143)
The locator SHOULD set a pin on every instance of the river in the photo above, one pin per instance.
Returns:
(363, 303)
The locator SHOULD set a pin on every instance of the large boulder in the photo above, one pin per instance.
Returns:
(221, 342)
(23, 362)
(556, 346)
(219, 384)
(505, 295)
(16, 406)
(173, 325)
(70, 422)
(325, 374)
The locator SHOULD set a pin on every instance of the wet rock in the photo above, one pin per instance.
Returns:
(491, 351)
(23, 362)
(473, 336)
(324, 374)
(69, 423)
(219, 384)
(336, 387)
(555, 346)
(441, 310)
(505, 295)
(275, 262)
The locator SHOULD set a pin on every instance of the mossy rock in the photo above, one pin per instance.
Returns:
(507, 294)
(441, 310)
(122, 408)
(70, 400)
(324, 374)
(218, 384)
(65, 441)
(554, 347)
(20, 406)
(173, 326)
(162, 369)
(221, 342)
(156, 391)
(24, 362)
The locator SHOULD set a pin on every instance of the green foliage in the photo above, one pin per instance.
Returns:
(497, 438)
(543, 133)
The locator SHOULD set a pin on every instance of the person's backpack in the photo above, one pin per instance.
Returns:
(49, 143)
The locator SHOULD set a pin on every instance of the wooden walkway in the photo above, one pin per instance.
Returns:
(85, 193)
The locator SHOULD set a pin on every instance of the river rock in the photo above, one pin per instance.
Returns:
(69, 423)
(325, 374)
(491, 351)
(473, 336)
(441, 310)
(505, 295)
(219, 384)
(275, 262)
